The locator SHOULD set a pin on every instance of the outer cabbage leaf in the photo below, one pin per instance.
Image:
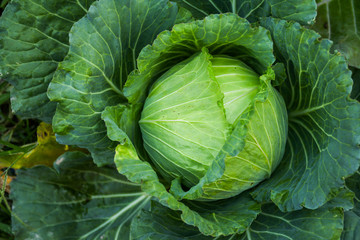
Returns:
(324, 123)
(77, 200)
(297, 10)
(33, 40)
(339, 21)
(324, 223)
(163, 223)
(103, 49)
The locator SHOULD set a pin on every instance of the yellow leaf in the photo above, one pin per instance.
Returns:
(45, 151)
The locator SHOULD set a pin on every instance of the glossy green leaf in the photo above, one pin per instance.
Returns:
(104, 46)
(339, 21)
(324, 123)
(297, 10)
(33, 40)
(76, 200)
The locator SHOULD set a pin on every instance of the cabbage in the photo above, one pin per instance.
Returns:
(190, 112)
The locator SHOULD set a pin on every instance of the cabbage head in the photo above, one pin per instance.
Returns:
(191, 111)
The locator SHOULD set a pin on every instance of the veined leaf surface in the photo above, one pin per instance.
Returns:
(34, 38)
(324, 123)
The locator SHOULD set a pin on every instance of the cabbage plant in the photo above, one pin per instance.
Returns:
(224, 120)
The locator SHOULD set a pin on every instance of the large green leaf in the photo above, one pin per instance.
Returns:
(272, 224)
(303, 11)
(339, 21)
(33, 40)
(324, 123)
(104, 46)
(77, 200)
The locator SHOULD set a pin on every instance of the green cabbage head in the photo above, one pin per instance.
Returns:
(191, 112)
